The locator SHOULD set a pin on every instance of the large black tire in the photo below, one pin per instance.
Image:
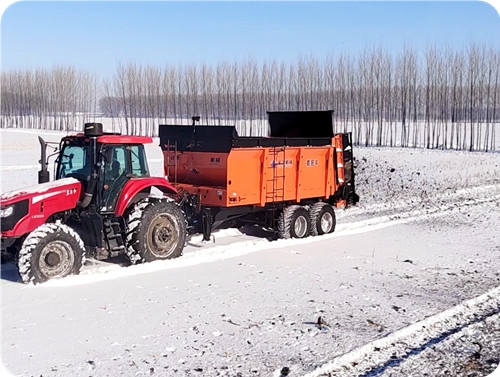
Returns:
(51, 251)
(156, 230)
(294, 222)
(322, 218)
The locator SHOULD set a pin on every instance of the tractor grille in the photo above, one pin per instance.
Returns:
(20, 210)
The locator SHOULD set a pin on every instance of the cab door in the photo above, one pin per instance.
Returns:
(115, 172)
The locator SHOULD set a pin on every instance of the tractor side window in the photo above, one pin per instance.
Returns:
(74, 162)
(120, 156)
(139, 164)
(115, 163)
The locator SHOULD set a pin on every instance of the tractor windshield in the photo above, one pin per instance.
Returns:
(74, 161)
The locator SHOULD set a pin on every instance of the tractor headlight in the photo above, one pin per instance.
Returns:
(6, 211)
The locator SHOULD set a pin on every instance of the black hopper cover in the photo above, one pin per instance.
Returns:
(303, 124)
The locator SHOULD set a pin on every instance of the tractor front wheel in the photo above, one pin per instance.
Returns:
(51, 251)
(156, 230)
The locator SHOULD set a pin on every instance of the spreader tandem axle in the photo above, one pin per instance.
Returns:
(101, 203)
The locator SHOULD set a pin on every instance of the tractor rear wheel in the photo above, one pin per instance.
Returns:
(322, 218)
(51, 251)
(156, 230)
(294, 222)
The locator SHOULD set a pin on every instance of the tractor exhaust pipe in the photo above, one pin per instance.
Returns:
(43, 174)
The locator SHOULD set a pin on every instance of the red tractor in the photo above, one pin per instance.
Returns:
(99, 206)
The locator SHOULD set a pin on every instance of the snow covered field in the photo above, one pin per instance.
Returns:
(407, 285)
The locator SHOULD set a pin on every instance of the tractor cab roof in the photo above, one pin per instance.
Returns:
(95, 130)
(114, 139)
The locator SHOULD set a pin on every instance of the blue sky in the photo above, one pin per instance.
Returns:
(96, 36)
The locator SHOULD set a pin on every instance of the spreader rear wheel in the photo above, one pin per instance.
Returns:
(157, 230)
(294, 222)
(322, 219)
(51, 251)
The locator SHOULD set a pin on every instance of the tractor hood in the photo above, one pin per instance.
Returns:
(40, 191)
(24, 210)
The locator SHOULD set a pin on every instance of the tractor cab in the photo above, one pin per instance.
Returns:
(102, 162)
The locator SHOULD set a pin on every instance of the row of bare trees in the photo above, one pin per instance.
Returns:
(48, 98)
(438, 98)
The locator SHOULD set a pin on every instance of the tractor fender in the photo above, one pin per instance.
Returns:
(136, 185)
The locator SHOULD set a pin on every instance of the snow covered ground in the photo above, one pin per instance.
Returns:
(408, 285)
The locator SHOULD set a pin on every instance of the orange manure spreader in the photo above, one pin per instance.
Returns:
(289, 182)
